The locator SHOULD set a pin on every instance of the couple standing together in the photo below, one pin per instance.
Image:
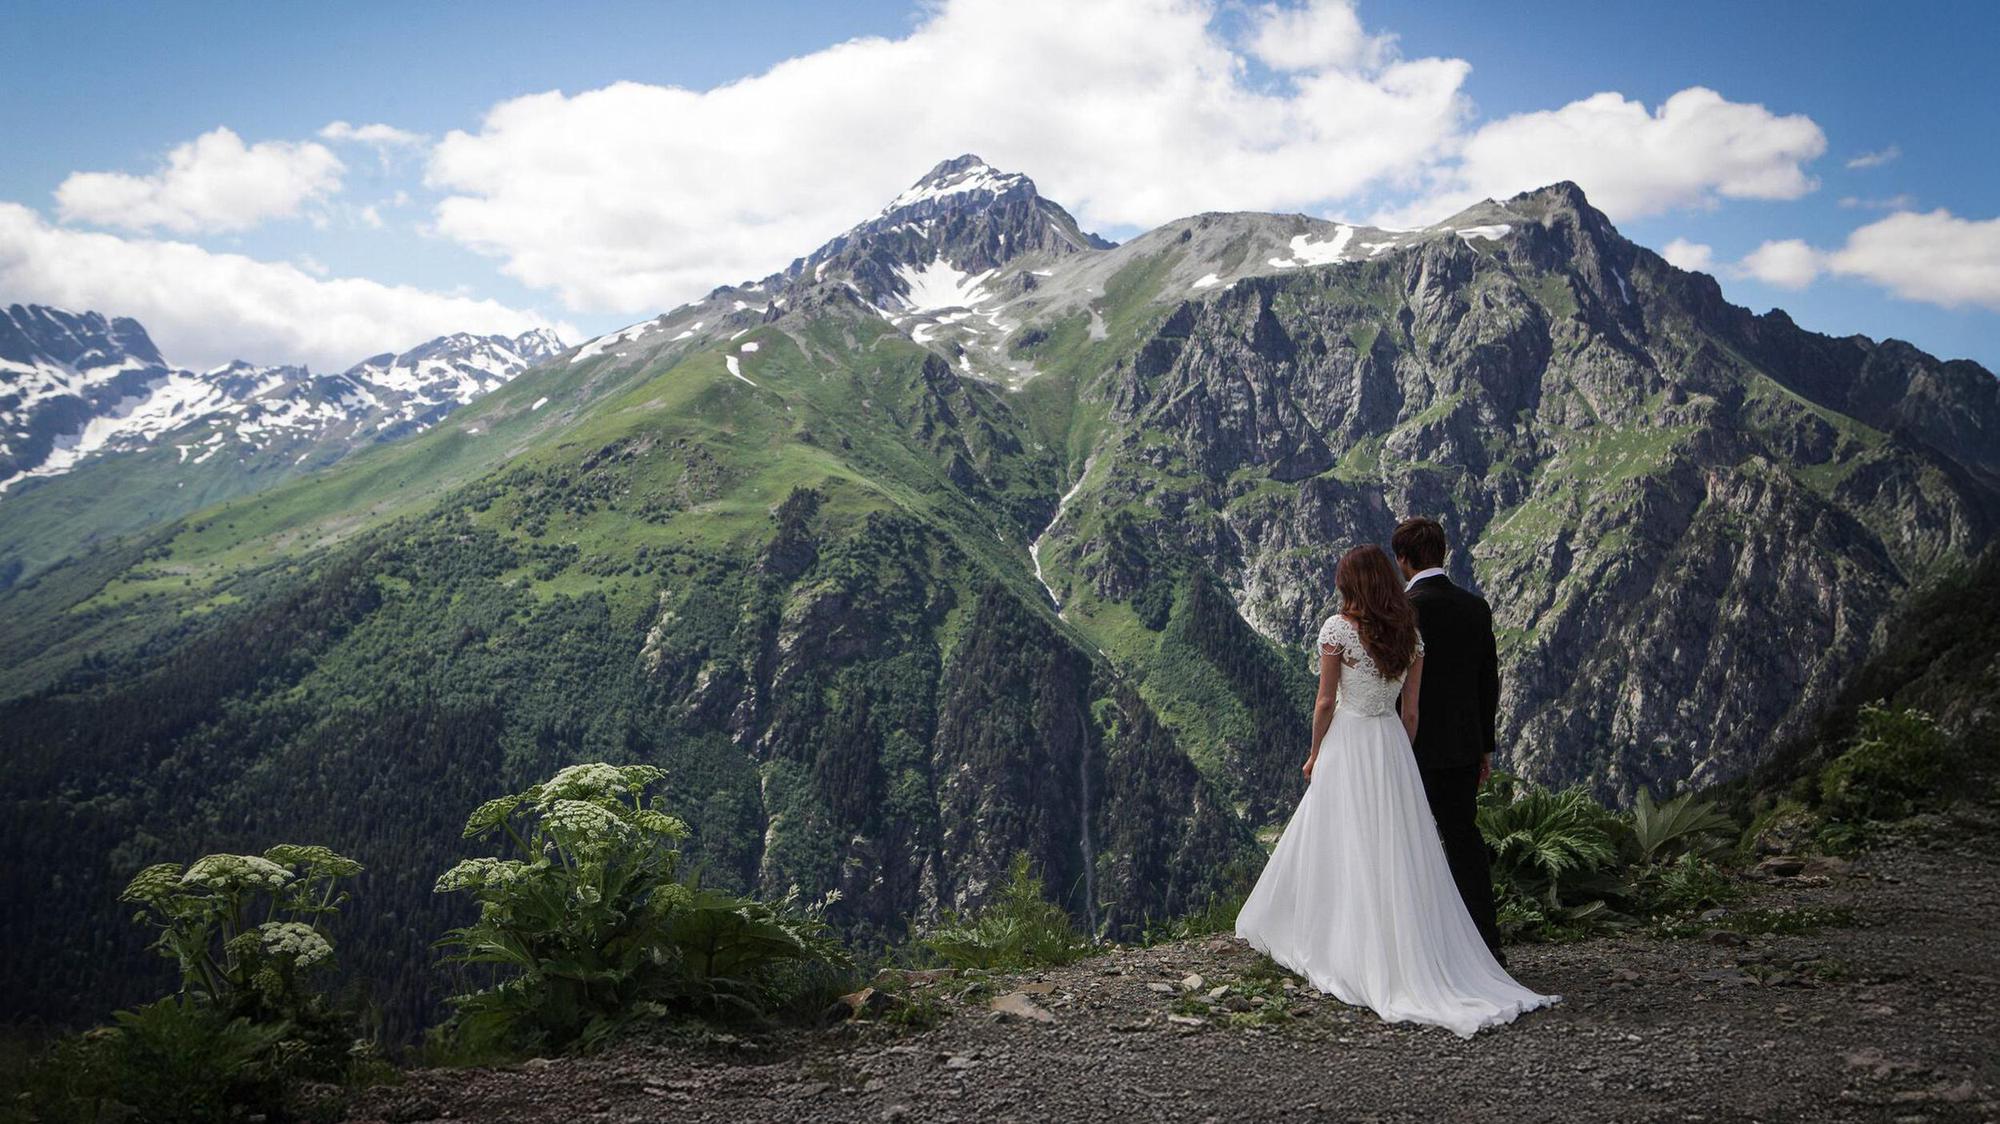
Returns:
(1379, 892)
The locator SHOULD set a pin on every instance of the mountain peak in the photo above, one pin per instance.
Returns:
(539, 343)
(1563, 197)
(32, 334)
(964, 215)
(1564, 192)
(966, 175)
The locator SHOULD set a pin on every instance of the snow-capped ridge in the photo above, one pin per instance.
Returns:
(78, 385)
(966, 175)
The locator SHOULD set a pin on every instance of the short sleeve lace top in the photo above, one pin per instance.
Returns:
(1363, 689)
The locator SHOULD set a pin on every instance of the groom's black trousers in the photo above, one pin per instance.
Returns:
(1453, 794)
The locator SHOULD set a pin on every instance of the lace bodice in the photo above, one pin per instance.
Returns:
(1363, 689)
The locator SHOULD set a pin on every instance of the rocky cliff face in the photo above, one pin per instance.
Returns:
(1689, 520)
(916, 729)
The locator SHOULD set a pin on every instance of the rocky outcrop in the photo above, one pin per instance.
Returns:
(1689, 520)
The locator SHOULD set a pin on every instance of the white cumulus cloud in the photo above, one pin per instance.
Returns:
(1935, 257)
(1683, 254)
(1696, 148)
(212, 183)
(1320, 34)
(206, 308)
(1787, 264)
(1902, 201)
(635, 197)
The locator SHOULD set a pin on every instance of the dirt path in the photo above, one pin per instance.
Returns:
(1893, 1018)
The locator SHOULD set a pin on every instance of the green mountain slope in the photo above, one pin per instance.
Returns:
(967, 535)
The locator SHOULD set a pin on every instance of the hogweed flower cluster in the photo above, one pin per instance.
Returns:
(236, 872)
(587, 920)
(294, 941)
(204, 916)
(581, 819)
(153, 884)
(480, 873)
(312, 858)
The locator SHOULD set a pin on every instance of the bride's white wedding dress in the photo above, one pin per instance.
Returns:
(1357, 897)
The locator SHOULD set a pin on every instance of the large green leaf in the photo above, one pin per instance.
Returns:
(1681, 825)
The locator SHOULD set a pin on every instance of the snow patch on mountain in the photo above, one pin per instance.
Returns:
(1306, 251)
(940, 285)
(604, 343)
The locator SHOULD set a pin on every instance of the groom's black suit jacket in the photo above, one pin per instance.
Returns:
(1459, 697)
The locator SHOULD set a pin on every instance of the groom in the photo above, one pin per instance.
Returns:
(1456, 707)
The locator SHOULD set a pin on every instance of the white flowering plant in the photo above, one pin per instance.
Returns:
(245, 930)
(586, 921)
(247, 933)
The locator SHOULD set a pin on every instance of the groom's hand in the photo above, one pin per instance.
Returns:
(1485, 768)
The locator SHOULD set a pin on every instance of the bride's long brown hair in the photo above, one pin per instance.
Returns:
(1372, 596)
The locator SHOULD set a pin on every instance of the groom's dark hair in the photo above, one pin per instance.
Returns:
(1419, 540)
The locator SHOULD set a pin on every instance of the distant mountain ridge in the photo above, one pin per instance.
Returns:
(74, 385)
(82, 393)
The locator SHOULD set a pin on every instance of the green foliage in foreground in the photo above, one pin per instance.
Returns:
(1897, 762)
(1564, 865)
(260, 970)
(1893, 766)
(248, 1018)
(1680, 826)
(589, 925)
(173, 1061)
(586, 924)
(585, 927)
(1017, 930)
(1913, 732)
(1217, 916)
(1760, 921)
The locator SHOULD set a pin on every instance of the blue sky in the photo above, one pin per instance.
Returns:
(663, 195)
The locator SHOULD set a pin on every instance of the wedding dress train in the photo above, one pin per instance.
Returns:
(1357, 897)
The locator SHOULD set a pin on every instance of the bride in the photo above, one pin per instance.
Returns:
(1357, 897)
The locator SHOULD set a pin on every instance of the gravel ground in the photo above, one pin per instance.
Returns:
(1895, 1017)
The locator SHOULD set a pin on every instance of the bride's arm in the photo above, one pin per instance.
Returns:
(1329, 692)
(1412, 683)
